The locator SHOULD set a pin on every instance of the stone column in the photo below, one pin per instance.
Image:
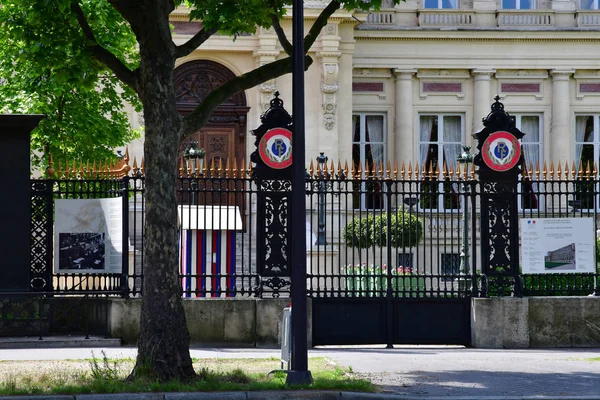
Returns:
(266, 53)
(327, 139)
(482, 98)
(560, 131)
(402, 139)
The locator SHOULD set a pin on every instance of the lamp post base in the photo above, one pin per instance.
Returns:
(298, 378)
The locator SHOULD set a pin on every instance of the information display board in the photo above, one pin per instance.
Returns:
(88, 236)
(558, 245)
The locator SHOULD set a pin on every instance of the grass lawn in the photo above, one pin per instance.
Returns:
(102, 375)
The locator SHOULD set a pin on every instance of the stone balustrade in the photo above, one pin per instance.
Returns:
(525, 18)
(588, 18)
(446, 18)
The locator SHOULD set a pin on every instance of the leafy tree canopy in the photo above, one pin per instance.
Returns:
(65, 58)
(47, 68)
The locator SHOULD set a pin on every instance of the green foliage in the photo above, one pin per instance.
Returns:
(46, 68)
(405, 230)
(111, 376)
(558, 284)
(235, 17)
(359, 232)
(106, 371)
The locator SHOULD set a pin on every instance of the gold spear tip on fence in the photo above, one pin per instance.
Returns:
(50, 170)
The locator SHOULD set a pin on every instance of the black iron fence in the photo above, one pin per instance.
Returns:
(370, 232)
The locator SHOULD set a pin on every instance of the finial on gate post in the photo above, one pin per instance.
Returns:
(500, 156)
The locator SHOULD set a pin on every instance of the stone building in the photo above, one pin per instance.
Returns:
(411, 83)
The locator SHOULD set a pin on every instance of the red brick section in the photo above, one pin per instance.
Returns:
(520, 88)
(442, 87)
(367, 86)
(589, 88)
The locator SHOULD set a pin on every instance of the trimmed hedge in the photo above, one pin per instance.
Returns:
(406, 230)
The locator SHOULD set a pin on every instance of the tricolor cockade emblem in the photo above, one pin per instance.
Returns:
(501, 151)
(275, 148)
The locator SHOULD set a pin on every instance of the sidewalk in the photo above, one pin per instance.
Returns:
(405, 372)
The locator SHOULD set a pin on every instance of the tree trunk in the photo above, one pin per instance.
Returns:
(163, 345)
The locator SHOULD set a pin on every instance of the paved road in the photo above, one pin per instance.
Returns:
(421, 371)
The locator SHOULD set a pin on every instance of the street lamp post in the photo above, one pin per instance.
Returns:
(299, 374)
(194, 159)
(465, 158)
(322, 161)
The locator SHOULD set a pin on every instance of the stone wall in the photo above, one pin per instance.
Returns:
(535, 322)
(230, 322)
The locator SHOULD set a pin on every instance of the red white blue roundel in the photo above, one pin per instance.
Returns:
(275, 148)
(501, 151)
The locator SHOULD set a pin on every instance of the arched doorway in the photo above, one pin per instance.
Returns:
(224, 136)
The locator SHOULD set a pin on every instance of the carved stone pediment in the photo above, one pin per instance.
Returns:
(194, 80)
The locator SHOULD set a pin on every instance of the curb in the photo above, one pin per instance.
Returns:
(283, 395)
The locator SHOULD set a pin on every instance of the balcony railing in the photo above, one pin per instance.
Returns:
(446, 18)
(380, 18)
(525, 18)
(588, 18)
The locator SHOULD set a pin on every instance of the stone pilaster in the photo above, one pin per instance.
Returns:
(560, 131)
(329, 56)
(482, 97)
(403, 122)
(266, 53)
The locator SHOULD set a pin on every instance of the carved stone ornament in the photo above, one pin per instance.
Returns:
(194, 80)
(330, 29)
(266, 91)
(329, 88)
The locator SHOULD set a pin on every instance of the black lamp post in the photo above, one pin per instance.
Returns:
(194, 160)
(299, 374)
(465, 158)
(321, 189)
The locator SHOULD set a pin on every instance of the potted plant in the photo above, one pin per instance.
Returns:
(398, 230)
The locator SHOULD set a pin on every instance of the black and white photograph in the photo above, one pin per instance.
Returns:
(81, 251)
(88, 236)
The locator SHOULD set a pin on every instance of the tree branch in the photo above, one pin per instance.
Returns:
(320, 22)
(242, 82)
(201, 114)
(285, 43)
(104, 56)
(196, 41)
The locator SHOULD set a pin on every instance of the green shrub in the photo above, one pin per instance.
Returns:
(406, 230)
(359, 232)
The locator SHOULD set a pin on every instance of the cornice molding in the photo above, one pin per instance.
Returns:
(495, 39)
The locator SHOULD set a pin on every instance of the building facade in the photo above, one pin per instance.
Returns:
(411, 83)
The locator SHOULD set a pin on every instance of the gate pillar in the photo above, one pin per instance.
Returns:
(499, 161)
(15, 206)
(273, 177)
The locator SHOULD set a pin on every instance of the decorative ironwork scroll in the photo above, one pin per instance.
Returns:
(40, 274)
(499, 162)
(272, 175)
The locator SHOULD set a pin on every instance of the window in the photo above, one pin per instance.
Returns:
(450, 264)
(531, 145)
(368, 150)
(453, 4)
(440, 138)
(587, 151)
(588, 4)
(518, 4)
(405, 260)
